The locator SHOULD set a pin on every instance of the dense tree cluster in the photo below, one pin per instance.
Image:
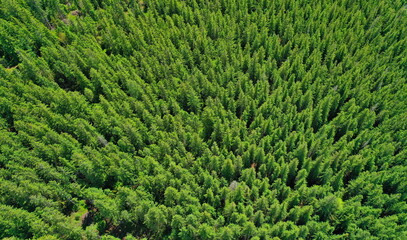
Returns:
(224, 119)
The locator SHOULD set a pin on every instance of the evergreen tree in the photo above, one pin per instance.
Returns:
(203, 119)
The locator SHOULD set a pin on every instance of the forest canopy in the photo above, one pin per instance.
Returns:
(223, 119)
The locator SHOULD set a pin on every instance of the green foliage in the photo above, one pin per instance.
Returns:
(200, 119)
